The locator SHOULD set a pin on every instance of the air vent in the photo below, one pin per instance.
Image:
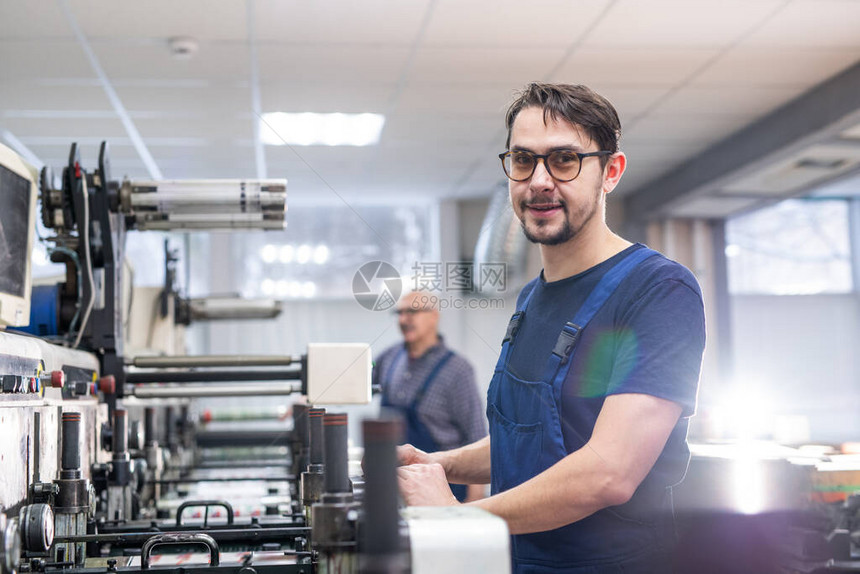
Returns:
(797, 171)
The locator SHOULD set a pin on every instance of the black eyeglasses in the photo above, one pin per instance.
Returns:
(562, 165)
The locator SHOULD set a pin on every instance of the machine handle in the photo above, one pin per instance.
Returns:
(206, 504)
(179, 540)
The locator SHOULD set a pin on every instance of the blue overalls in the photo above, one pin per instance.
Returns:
(417, 433)
(526, 439)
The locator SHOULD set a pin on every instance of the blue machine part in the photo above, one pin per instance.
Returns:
(44, 311)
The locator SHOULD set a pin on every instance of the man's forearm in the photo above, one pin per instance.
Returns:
(469, 464)
(572, 489)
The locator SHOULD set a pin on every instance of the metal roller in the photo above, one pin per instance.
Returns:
(192, 391)
(215, 361)
(36, 527)
(10, 545)
(213, 376)
(205, 204)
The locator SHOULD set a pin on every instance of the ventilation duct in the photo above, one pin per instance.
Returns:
(501, 241)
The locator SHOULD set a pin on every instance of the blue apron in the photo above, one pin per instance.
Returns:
(526, 439)
(417, 433)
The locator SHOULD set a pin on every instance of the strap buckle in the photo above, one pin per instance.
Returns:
(566, 341)
(513, 326)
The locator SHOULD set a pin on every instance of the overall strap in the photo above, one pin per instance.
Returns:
(430, 378)
(567, 339)
(513, 327)
(389, 373)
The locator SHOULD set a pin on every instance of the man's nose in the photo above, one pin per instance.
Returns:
(541, 179)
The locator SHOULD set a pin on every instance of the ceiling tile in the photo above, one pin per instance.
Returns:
(200, 19)
(338, 22)
(630, 102)
(39, 58)
(331, 63)
(420, 98)
(756, 66)
(23, 95)
(212, 127)
(501, 65)
(226, 100)
(25, 19)
(442, 129)
(632, 67)
(541, 23)
(728, 100)
(226, 62)
(684, 128)
(680, 23)
(330, 95)
(65, 128)
(819, 23)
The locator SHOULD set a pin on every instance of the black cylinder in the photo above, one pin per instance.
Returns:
(300, 438)
(169, 431)
(300, 425)
(71, 441)
(336, 454)
(232, 438)
(120, 431)
(149, 426)
(316, 435)
(381, 533)
(212, 376)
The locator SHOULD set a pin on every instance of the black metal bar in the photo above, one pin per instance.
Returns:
(284, 478)
(213, 376)
(210, 438)
(228, 464)
(250, 534)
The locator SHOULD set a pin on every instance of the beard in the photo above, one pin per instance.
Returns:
(538, 232)
(565, 233)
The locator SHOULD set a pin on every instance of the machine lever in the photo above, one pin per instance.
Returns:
(207, 504)
(180, 540)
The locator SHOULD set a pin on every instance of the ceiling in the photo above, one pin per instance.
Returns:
(684, 75)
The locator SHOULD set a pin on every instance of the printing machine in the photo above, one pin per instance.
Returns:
(107, 464)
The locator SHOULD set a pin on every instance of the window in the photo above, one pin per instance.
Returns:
(323, 247)
(796, 247)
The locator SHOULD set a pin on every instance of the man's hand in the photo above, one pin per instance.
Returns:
(408, 454)
(425, 485)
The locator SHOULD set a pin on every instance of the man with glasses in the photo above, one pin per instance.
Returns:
(432, 386)
(598, 373)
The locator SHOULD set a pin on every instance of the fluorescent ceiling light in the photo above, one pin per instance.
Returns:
(280, 128)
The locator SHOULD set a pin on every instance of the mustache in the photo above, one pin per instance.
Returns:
(541, 203)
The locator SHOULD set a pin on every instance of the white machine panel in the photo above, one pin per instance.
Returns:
(339, 373)
(457, 540)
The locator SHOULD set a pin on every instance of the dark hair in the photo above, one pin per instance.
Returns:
(579, 105)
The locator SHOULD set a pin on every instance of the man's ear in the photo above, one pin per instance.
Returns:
(615, 168)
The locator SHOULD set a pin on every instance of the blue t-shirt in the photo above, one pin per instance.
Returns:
(648, 338)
